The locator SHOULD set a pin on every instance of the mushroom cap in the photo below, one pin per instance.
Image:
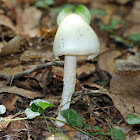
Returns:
(75, 37)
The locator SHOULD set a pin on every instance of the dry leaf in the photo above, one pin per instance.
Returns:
(28, 21)
(86, 68)
(3, 125)
(20, 91)
(16, 126)
(125, 92)
(9, 102)
(6, 21)
(129, 62)
(13, 46)
(106, 61)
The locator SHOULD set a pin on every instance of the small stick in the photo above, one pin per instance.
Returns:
(28, 72)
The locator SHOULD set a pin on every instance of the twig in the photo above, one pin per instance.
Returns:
(100, 107)
(98, 92)
(28, 72)
(46, 123)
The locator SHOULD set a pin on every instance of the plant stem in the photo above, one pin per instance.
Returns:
(50, 118)
(46, 123)
(11, 120)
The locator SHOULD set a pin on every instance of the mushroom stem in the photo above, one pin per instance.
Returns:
(69, 85)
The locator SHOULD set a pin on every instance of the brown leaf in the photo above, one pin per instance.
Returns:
(6, 21)
(13, 46)
(28, 21)
(106, 61)
(16, 126)
(10, 102)
(125, 92)
(3, 125)
(87, 68)
(20, 91)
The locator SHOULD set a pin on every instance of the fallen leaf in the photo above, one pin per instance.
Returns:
(134, 14)
(16, 126)
(125, 92)
(107, 61)
(6, 21)
(85, 68)
(3, 125)
(9, 102)
(20, 91)
(128, 62)
(13, 46)
(28, 21)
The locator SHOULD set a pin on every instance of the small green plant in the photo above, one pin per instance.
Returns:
(37, 107)
(73, 119)
(133, 119)
(112, 25)
(44, 3)
(98, 12)
(134, 37)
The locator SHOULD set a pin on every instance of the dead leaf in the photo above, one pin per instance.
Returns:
(28, 21)
(20, 91)
(13, 46)
(125, 92)
(133, 16)
(3, 125)
(16, 126)
(106, 61)
(85, 68)
(71, 133)
(47, 33)
(110, 9)
(6, 21)
(128, 62)
(10, 102)
(57, 71)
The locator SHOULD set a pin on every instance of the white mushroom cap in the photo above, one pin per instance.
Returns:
(75, 37)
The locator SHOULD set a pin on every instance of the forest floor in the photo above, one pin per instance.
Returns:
(107, 88)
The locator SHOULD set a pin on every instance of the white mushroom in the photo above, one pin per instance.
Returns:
(74, 37)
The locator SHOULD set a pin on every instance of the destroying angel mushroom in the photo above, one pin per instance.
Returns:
(74, 37)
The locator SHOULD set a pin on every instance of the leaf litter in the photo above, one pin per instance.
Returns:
(105, 93)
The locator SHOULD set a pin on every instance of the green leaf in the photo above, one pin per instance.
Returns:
(58, 9)
(40, 105)
(45, 105)
(63, 14)
(49, 2)
(117, 134)
(132, 119)
(72, 117)
(44, 3)
(134, 37)
(36, 108)
(112, 25)
(121, 40)
(84, 13)
(95, 128)
(98, 12)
